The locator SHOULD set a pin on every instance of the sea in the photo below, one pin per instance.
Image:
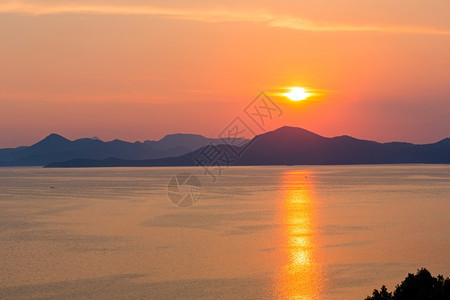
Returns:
(263, 232)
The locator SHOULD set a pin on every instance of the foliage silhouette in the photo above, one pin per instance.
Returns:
(419, 286)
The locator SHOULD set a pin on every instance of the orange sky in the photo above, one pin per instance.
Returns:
(137, 70)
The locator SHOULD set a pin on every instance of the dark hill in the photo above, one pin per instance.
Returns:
(55, 148)
(296, 146)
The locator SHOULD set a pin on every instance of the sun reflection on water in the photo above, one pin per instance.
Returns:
(300, 277)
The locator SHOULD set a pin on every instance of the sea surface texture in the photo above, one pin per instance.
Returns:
(287, 232)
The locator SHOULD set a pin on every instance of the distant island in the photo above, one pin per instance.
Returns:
(292, 146)
(284, 146)
(56, 148)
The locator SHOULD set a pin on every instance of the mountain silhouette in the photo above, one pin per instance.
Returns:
(297, 146)
(56, 148)
(190, 141)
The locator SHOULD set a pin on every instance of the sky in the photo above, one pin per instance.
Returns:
(138, 70)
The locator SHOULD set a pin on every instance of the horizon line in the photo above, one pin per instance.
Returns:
(180, 133)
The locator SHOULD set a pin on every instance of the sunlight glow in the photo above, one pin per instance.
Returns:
(297, 94)
(301, 278)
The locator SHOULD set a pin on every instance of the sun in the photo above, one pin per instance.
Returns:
(297, 94)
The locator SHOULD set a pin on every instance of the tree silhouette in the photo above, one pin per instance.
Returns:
(419, 286)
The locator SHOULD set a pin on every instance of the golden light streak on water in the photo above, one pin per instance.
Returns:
(300, 277)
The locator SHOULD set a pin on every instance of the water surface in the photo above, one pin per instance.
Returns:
(312, 232)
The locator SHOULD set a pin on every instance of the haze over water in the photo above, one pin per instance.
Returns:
(305, 232)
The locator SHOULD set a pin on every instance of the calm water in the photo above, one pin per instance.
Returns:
(328, 232)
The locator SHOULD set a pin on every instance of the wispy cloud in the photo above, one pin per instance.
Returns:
(35, 8)
(302, 24)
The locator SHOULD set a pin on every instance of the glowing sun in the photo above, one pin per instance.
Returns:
(297, 94)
